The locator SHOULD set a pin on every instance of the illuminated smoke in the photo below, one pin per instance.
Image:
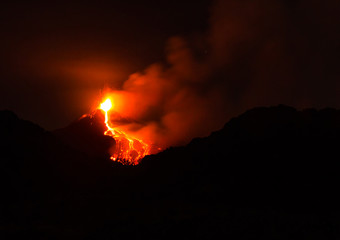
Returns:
(257, 53)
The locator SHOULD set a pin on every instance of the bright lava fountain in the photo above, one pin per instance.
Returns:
(128, 150)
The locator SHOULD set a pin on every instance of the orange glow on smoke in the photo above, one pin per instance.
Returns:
(128, 150)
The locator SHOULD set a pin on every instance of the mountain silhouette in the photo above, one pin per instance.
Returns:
(270, 173)
(86, 135)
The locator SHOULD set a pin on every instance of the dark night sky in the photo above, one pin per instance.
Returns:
(56, 57)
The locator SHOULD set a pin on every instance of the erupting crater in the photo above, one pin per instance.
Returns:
(128, 150)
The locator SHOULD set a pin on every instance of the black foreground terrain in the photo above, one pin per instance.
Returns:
(271, 173)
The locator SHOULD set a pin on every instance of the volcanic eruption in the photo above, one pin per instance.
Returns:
(128, 150)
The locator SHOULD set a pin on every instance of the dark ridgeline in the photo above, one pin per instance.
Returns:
(271, 173)
(86, 135)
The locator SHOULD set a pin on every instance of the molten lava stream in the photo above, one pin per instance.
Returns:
(128, 150)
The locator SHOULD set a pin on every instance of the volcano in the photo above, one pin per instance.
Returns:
(93, 135)
(269, 172)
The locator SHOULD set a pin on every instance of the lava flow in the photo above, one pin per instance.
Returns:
(128, 150)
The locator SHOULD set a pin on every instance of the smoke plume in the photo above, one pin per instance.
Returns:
(256, 53)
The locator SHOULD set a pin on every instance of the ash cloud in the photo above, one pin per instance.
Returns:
(256, 53)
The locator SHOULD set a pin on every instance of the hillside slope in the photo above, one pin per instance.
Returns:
(271, 173)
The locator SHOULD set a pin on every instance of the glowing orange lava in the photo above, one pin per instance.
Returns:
(128, 150)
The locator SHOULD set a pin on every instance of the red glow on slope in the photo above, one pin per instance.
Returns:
(128, 150)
